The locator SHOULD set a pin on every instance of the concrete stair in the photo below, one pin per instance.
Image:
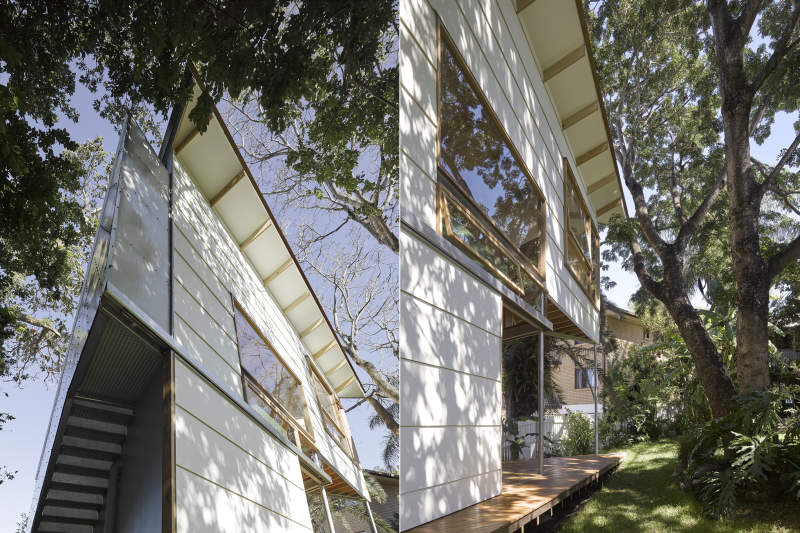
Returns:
(76, 492)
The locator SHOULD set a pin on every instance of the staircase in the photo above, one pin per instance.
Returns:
(76, 496)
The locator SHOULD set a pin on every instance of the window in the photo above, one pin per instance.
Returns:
(584, 378)
(489, 202)
(331, 414)
(582, 244)
(269, 386)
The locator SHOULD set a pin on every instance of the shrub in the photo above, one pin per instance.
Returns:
(754, 451)
(579, 435)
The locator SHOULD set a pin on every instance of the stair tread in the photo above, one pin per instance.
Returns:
(52, 526)
(103, 406)
(97, 425)
(74, 497)
(60, 511)
(90, 444)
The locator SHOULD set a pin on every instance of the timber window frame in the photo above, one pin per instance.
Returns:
(573, 251)
(523, 274)
(331, 421)
(254, 391)
(584, 378)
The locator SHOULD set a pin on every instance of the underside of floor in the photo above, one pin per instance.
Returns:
(526, 495)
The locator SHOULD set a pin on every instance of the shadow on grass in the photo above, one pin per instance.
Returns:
(642, 496)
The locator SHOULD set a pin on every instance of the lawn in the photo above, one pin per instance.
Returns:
(642, 496)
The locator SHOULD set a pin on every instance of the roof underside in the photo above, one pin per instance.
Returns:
(556, 31)
(215, 163)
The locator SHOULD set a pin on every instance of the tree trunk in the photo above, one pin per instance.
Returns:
(744, 202)
(717, 384)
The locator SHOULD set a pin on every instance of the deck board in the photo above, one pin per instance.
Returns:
(525, 494)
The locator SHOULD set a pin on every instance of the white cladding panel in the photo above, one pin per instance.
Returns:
(231, 475)
(209, 270)
(450, 386)
(140, 258)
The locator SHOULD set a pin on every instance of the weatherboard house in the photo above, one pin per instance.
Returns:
(507, 172)
(202, 383)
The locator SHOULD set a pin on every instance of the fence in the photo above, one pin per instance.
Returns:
(554, 426)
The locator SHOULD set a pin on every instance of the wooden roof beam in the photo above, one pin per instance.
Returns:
(317, 323)
(346, 383)
(579, 115)
(602, 182)
(278, 271)
(608, 207)
(564, 63)
(337, 366)
(253, 236)
(319, 353)
(186, 140)
(297, 301)
(227, 188)
(591, 154)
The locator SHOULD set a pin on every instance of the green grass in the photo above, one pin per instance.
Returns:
(642, 496)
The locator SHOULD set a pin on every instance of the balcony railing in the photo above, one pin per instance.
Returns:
(278, 416)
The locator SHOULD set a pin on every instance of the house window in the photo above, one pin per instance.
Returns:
(584, 378)
(331, 414)
(489, 203)
(269, 386)
(582, 246)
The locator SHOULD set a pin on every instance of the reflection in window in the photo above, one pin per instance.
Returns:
(475, 155)
(464, 229)
(331, 413)
(582, 247)
(269, 385)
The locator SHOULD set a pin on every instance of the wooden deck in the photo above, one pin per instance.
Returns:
(526, 495)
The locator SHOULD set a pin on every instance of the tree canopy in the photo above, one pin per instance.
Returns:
(690, 86)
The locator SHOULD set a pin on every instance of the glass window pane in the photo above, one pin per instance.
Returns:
(577, 220)
(475, 154)
(474, 237)
(266, 369)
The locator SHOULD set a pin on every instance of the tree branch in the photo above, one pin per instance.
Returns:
(643, 215)
(782, 46)
(33, 321)
(388, 420)
(691, 225)
(765, 185)
(652, 286)
(782, 259)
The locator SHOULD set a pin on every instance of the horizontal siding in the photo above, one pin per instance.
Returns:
(449, 377)
(433, 502)
(451, 454)
(435, 396)
(434, 279)
(436, 337)
(203, 451)
(209, 508)
(210, 269)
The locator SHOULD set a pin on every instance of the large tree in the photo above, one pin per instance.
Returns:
(690, 86)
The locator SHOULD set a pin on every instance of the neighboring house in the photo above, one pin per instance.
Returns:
(506, 172)
(575, 383)
(202, 383)
(389, 510)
